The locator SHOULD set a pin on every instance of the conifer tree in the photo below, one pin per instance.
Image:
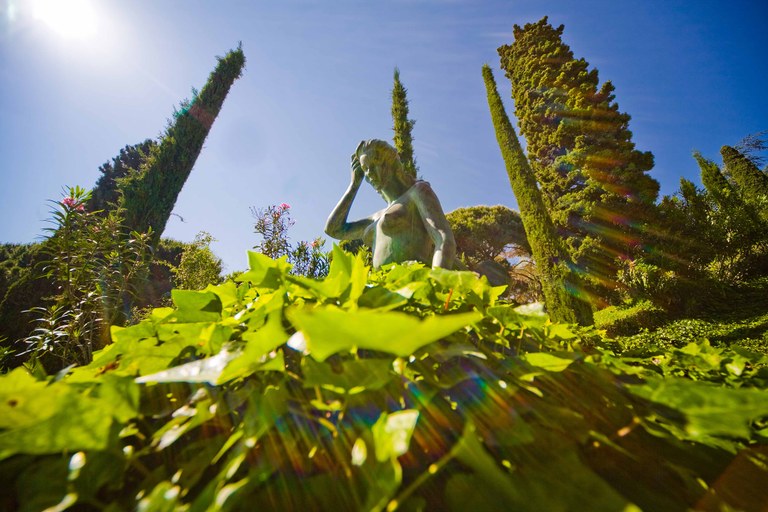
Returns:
(735, 226)
(150, 194)
(716, 184)
(106, 192)
(592, 179)
(560, 286)
(751, 182)
(403, 126)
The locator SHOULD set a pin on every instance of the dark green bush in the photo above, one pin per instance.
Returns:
(626, 320)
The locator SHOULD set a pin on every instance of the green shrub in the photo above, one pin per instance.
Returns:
(625, 320)
(750, 333)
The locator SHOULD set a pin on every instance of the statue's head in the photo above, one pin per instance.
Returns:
(380, 162)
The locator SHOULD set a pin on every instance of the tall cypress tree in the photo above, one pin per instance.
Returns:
(150, 194)
(403, 126)
(560, 286)
(592, 178)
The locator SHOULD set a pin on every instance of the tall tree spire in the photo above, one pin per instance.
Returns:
(403, 126)
(150, 194)
(559, 285)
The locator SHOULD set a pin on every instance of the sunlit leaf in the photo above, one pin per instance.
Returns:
(707, 409)
(264, 271)
(195, 306)
(202, 370)
(331, 330)
(392, 433)
(552, 362)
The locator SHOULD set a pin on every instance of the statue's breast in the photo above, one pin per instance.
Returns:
(398, 217)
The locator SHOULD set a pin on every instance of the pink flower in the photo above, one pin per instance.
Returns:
(72, 204)
(285, 206)
(316, 244)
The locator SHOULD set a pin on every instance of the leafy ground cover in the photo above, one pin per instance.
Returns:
(402, 389)
(738, 317)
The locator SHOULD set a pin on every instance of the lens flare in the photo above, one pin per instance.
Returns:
(74, 19)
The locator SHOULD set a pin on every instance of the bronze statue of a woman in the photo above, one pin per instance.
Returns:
(411, 227)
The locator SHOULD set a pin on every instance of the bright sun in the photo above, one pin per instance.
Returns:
(70, 18)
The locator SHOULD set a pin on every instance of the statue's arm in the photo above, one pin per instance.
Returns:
(337, 226)
(437, 225)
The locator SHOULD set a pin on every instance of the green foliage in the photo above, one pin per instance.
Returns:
(593, 181)
(198, 267)
(559, 285)
(15, 260)
(491, 240)
(150, 194)
(485, 232)
(729, 318)
(404, 388)
(625, 320)
(106, 193)
(93, 261)
(715, 233)
(751, 181)
(272, 224)
(403, 126)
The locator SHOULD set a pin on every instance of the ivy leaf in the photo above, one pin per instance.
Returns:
(56, 418)
(551, 362)
(707, 409)
(392, 433)
(195, 306)
(330, 330)
(347, 274)
(378, 297)
(203, 370)
(264, 271)
(355, 376)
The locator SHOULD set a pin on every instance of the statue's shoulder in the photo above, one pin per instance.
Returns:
(422, 192)
(422, 187)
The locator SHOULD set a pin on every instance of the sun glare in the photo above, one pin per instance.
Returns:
(69, 18)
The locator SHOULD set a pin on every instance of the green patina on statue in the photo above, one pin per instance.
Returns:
(411, 227)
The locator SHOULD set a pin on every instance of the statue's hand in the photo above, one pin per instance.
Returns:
(357, 170)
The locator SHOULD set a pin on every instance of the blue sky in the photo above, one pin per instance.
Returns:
(319, 73)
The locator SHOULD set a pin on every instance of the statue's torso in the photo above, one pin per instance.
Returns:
(398, 233)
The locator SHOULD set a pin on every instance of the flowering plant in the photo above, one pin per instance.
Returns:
(272, 223)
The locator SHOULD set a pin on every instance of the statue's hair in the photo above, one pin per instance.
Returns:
(382, 152)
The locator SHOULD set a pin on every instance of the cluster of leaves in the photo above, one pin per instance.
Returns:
(750, 333)
(198, 265)
(721, 231)
(272, 224)
(406, 388)
(15, 260)
(94, 262)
